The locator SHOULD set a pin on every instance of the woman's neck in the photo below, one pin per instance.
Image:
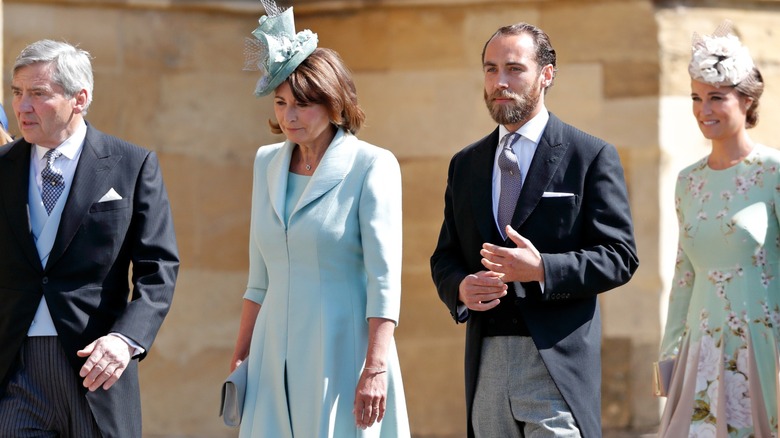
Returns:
(306, 157)
(729, 152)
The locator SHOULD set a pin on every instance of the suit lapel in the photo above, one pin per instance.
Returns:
(482, 159)
(14, 185)
(548, 156)
(94, 165)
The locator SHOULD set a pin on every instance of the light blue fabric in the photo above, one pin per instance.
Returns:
(335, 263)
(43, 226)
(295, 186)
(281, 49)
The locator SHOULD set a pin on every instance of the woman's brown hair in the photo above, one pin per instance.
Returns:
(752, 87)
(323, 78)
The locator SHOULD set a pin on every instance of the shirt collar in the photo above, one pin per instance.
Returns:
(70, 147)
(532, 129)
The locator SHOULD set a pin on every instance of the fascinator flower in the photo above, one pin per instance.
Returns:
(276, 49)
(720, 59)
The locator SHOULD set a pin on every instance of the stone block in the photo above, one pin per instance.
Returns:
(424, 113)
(615, 382)
(181, 377)
(627, 79)
(382, 39)
(577, 96)
(630, 123)
(435, 387)
(211, 208)
(608, 31)
(206, 42)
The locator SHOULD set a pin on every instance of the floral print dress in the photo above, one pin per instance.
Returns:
(723, 321)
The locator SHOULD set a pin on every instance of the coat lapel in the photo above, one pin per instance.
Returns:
(333, 168)
(547, 158)
(483, 157)
(276, 179)
(94, 165)
(14, 180)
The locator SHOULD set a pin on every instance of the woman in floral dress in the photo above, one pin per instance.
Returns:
(724, 306)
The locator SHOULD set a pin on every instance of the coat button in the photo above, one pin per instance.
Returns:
(45, 280)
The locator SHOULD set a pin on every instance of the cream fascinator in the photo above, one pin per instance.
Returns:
(720, 59)
(276, 50)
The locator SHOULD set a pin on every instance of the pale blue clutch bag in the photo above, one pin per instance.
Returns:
(233, 390)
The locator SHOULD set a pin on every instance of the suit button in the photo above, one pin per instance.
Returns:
(517, 302)
(45, 280)
(514, 320)
(492, 321)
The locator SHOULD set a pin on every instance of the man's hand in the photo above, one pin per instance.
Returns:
(107, 358)
(481, 291)
(523, 263)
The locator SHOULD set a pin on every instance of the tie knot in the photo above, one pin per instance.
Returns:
(51, 155)
(510, 139)
(507, 160)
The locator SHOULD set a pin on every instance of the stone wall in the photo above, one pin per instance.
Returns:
(169, 76)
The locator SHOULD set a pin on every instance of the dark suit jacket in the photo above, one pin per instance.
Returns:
(587, 247)
(85, 280)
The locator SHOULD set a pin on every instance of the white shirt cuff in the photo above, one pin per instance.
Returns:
(137, 349)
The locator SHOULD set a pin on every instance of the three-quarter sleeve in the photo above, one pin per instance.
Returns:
(257, 284)
(681, 290)
(380, 212)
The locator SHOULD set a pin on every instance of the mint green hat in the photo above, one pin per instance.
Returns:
(277, 50)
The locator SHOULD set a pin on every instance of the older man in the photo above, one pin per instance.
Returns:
(77, 208)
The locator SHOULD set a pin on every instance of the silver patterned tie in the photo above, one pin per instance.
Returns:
(52, 182)
(511, 182)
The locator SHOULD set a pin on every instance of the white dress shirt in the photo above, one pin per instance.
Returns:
(524, 149)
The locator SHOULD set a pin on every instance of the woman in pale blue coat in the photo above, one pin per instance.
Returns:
(323, 296)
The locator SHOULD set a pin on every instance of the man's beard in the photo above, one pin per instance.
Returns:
(512, 114)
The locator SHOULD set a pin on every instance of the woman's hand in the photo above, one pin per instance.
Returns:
(370, 397)
(249, 312)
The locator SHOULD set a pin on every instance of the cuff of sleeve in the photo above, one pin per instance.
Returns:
(137, 349)
(463, 313)
(256, 295)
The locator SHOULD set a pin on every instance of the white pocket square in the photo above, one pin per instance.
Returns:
(111, 195)
(556, 195)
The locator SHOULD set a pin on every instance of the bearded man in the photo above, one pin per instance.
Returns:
(536, 225)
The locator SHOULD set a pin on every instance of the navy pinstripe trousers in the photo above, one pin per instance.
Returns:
(43, 398)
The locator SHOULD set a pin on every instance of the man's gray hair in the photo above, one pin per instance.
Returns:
(71, 66)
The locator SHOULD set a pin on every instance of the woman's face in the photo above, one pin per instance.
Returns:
(305, 124)
(719, 111)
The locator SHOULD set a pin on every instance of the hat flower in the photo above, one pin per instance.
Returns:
(277, 50)
(720, 60)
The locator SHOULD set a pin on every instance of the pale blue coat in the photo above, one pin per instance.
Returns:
(319, 277)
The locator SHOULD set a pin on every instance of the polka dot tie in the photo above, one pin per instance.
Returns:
(52, 181)
(511, 182)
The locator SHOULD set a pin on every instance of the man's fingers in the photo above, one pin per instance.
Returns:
(86, 351)
(90, 364)
(519, 240)
(482, 306)
(495, 267)
(103, 376)
(107, 361)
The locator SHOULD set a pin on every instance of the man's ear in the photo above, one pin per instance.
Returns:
(547, 75)
(82, 97)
